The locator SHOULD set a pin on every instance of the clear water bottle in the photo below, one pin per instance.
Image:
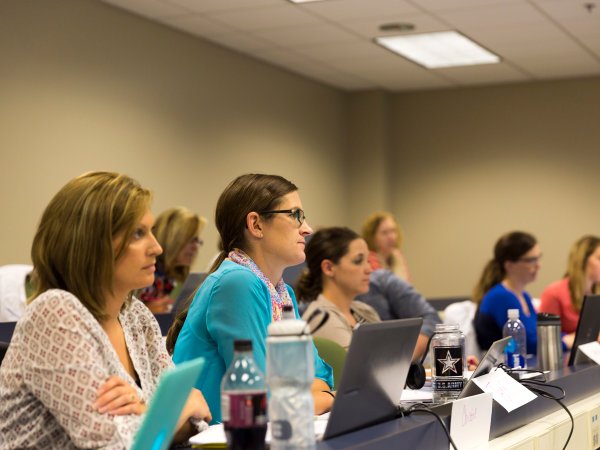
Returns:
(516, 349)
(290, 374)
(244, 401)
(447, 353)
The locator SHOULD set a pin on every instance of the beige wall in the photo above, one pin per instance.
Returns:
(84, 86)
(471, 164)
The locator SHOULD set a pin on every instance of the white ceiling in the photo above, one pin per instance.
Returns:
(332, 40)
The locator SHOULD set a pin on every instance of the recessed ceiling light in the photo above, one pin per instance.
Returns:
(397, 26)
(305, 1)
(439, 49)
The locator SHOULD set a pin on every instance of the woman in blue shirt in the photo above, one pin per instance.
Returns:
(262, 228)
(501, 287)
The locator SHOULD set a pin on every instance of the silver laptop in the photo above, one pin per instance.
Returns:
(493, 357)
(374, 375)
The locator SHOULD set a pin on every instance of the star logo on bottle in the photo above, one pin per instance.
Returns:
(449, 363)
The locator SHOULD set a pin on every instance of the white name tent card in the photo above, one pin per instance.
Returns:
(591, 350)
(506, 390)
(471, 420)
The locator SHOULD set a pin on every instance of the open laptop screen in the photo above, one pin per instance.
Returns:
(374, 375)
(588, 326)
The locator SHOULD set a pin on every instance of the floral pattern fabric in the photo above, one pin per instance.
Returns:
(279, 293)
(58, 357)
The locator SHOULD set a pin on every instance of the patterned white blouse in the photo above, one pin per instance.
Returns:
(57, 359)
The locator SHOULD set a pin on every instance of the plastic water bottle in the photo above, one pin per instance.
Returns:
(447, 350)
(516, 349)
(244, 401)
(290, 374)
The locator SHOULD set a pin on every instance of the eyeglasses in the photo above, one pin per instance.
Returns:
(530, 260)
(296, 213)
(197, 241)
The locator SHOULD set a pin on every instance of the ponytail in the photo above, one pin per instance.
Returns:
(309, 286)
(492, 274)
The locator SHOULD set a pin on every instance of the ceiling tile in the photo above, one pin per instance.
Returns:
(319, 34)
(201, 6)
(198, 25)
(264, 18)
(348, 50)
(340, 10)
(484, 74)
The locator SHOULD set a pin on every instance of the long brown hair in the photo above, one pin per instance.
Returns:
(327, 243)
(245, 194)
(510, 247)
(173, 229)
(73, 246)
(576, 265)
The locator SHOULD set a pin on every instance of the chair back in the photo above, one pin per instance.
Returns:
(3, 349)
(462, 314)
(334, 355)
(6, 330)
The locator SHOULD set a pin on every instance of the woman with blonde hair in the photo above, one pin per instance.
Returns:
(86, 356)
(582, 277)
(502, 287)
(384, 238)
(262, 229)
(178, 232)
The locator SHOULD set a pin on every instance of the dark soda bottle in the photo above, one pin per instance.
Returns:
(244, 401)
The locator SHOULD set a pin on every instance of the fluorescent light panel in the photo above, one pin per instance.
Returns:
(438, 50)
(304, 1)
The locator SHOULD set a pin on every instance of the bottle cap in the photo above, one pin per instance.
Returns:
(242, 345)
(513, 314)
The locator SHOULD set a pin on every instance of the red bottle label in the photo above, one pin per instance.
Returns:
(244, 410)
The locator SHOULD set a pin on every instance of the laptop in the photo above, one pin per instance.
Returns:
(191, 283)
(492, 358)
(374, 375)
(174, 387)
(587, 328)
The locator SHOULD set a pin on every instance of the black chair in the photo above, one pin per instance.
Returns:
(3, 349)
(6, 331)
(164, 321)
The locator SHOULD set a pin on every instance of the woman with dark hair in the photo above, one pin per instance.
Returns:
(86, 356)
(337, 271)
(178, 232)
(262, 229)
(501, 287)
(582, 277)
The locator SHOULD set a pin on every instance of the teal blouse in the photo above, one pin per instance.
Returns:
(232, 303)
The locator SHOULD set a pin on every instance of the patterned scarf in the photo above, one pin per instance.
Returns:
(279, 293)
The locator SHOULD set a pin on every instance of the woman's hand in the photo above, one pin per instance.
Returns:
(119, 398)
(323, 401)
(195, 408)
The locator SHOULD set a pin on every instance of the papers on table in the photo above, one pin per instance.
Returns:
(214, 437)
(506, 390)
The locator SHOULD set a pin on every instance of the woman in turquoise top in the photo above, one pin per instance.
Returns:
(262, 229)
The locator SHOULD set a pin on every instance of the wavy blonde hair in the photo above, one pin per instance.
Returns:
(173, 229)
(73, 246)
(576, 265)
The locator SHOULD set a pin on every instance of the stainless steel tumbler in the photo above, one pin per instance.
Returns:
(549, 344)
